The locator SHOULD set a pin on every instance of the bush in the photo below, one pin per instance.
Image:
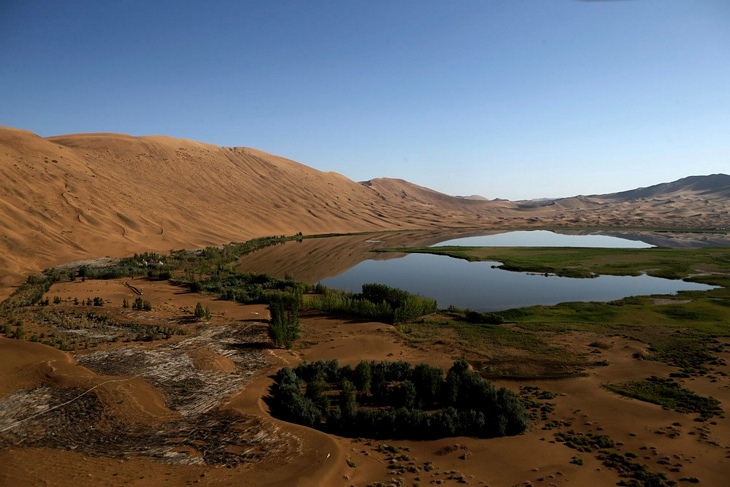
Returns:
(142, 305)
(202, 313)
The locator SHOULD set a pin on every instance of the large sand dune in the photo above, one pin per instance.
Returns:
(82, 196)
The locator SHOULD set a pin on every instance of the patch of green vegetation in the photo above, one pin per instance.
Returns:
(376, 302)
(668, 393)
(584, 442)
(396, 400)
(679, 330)
(497, 351)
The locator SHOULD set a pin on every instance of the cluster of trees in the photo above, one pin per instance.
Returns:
(245, 288)
(376, 302)
(396, 400)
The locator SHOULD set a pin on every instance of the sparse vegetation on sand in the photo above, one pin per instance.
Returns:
(396, 400)
(668, 393)
(207, 270)
(604, 448)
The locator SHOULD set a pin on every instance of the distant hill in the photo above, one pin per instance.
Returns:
(82, 196)
(712, 186)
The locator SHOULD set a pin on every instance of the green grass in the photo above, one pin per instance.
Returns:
(589, 262)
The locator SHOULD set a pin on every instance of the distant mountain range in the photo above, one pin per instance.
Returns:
(87, 195)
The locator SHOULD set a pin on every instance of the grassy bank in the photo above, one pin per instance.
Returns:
(712, 263)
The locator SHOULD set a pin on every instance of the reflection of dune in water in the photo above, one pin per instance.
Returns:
(312, 260)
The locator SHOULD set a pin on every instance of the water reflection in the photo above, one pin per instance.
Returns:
(347, 262)
(544, 238)
(478, 286)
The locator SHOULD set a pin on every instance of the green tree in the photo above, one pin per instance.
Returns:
(284, 325)
(454, 379)
(406, 395)
(427, 380)
(362, 377)
(348, 399)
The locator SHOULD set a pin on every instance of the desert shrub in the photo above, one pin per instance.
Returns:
(202, 313)
(141, 304)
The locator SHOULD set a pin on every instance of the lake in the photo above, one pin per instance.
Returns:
(478, 286)
(545, 238)
(346, 263)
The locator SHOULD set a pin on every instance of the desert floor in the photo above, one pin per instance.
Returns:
(135, 426)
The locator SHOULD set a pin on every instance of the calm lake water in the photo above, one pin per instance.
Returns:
(545, 238)
(479, 286)
(476, 285)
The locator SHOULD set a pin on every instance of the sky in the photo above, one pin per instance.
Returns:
(514, 99)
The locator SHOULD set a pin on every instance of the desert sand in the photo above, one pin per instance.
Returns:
(288, 454)
(86, 196)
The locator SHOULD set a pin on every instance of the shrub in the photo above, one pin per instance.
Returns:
(202, 313)
(142, 305)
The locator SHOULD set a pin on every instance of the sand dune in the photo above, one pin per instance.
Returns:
(82, 196)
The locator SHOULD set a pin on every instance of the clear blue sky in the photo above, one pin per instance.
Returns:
(503, 98)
